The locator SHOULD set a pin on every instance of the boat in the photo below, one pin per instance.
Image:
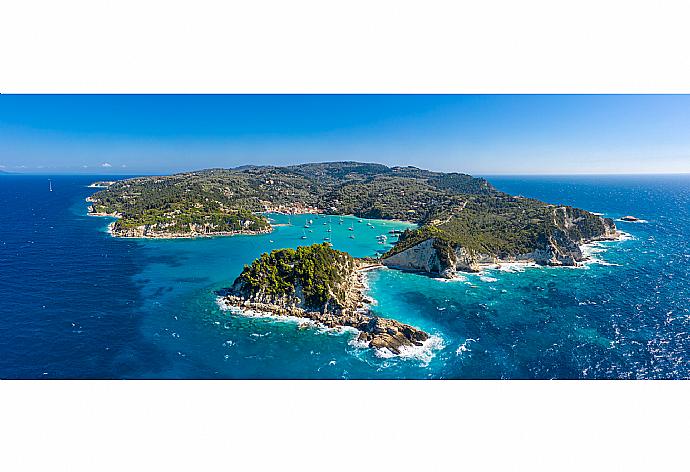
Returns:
(306, 226)
(50, 185)
(359, 221)
(350, 228)
(304, 235)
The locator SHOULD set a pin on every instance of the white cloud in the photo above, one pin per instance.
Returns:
(2, 166)
(106, 164)
(124, 165)
(85, 166)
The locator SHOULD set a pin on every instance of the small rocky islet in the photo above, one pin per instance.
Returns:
(320, 284)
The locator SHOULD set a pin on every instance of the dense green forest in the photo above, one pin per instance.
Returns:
(319, 271)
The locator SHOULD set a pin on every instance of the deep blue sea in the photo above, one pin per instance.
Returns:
(76, 303)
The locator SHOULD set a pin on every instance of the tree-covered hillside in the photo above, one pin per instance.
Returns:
(225, 198)
(316, 275)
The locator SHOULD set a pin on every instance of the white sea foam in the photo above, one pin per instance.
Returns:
(356, 343)
(464, 347)
(337, 330)
(424, 353)
(636, 222)
(625, 236)
(457, 278)
(262, 314)
(321, 329)
(515, 266)
(486, 278)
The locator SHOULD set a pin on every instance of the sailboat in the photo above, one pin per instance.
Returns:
(50, 185)
(352, 236)
(304, 235)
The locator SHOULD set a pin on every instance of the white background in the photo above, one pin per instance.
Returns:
(354, 46)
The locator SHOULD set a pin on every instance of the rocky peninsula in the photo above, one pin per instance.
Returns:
(552, 235)
(322, 285)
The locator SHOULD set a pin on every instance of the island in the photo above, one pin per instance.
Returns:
(463, 222)
(320, 284)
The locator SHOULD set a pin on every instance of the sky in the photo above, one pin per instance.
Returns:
(476, 134)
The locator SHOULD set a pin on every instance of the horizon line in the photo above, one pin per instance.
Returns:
(500, 174)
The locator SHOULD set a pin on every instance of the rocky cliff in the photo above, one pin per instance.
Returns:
(555, 241)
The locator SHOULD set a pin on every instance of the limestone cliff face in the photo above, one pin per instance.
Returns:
(559, 246)
(434, 256)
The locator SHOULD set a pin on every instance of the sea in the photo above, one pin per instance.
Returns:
(76, 303)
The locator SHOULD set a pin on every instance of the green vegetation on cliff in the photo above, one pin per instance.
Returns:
(503, 226)
(316, 274)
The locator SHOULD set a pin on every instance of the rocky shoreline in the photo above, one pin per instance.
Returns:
(144, 232)
(437, 256)
(421, 259)
(374, 332)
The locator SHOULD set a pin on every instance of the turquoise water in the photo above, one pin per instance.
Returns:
(189, 323)
(78, 303)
